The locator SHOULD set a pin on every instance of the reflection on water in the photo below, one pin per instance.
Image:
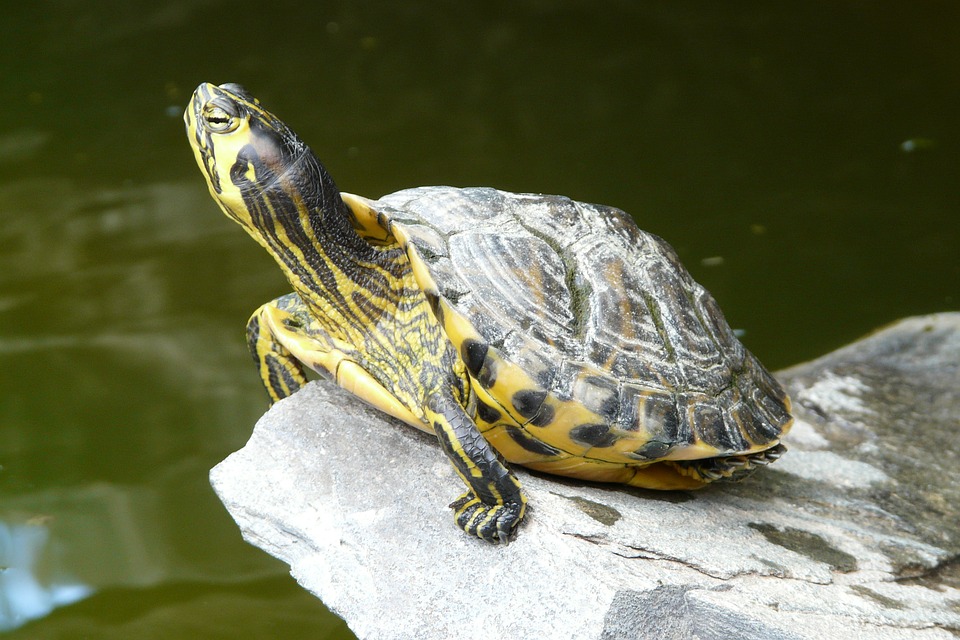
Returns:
(121, 543)
(129, 386)
(25, 592)
(20, 145)
(801, 157)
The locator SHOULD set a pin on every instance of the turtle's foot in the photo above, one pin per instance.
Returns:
(731, 468)
(494, 523)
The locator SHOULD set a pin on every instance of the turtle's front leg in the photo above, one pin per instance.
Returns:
(281, 373)
(495, 503)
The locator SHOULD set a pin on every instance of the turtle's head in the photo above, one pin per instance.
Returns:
(258, 170)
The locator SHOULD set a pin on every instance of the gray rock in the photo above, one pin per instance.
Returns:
(855, 531)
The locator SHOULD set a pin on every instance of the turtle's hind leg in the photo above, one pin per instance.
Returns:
(729, 468)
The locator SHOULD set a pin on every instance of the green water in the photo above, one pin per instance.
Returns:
(802, 158)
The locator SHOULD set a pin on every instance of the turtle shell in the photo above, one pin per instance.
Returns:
(590, 347)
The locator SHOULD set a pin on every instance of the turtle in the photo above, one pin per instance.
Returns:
(522, 329)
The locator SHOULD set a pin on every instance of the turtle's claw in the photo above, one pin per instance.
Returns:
(494, 523)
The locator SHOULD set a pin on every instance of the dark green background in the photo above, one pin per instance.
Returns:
(765, 141)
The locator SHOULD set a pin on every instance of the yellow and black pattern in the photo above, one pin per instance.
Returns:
(357, 314)
(547, 332)
(281, 372)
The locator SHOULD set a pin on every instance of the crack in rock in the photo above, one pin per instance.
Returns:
(632, 552)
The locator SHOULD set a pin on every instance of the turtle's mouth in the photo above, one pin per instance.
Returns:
(199, 131)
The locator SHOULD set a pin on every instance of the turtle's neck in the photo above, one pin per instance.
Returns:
(300, 218)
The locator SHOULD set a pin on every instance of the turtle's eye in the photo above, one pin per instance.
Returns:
(218, 120)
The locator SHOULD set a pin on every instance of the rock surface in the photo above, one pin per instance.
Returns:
(854, 532)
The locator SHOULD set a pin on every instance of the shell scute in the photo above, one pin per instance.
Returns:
(594, 435)
(522, 286)
(531, 444)
(712, 428)
(528, 402)
(742, 424)
(488, 413)
(474, 353)
(653, 415)
(591, 387)
(458, 213)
